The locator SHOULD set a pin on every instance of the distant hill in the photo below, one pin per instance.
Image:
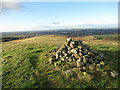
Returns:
(8, 36)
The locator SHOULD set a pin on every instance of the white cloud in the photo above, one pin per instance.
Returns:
(10, 6)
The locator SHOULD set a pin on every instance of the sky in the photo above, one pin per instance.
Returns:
(30, 16)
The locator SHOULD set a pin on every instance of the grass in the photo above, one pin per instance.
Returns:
(103, 37)
(23, 65)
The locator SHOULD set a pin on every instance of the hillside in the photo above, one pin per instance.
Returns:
(23, 64)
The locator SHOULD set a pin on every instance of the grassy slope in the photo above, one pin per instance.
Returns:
(23, 64)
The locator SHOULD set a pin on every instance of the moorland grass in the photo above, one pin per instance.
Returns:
(24, 65)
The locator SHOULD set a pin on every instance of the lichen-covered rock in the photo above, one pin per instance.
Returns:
(102, 63)
(76, 56)
(91, 67)
(84, 73)
(51, 60)
(69, 39)
(114, 74)
(78, 63)
(85, 59)
(68, 73)
(98, 65)
(74, 51)
(70, 59)
(55, 64)
(57, 55)
(63, 59)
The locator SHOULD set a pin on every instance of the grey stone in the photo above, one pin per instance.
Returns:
(69, 39)
(62, 59)
(102, 63)
(85, 60)
(68, 72)
(55, 64)
(80, 54)
(57, 55)
(69, 48)
(91, 67)
(114, 74)
(84, 68)
(84, 73)
(67, 57)
(76, 56)
(74, 51)
(70, 60)
(98, 65)
(80, 47)
(65, 54)
(101, 55)
(51, 60)
(78, 63)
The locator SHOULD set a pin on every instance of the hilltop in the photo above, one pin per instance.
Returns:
(23, 63)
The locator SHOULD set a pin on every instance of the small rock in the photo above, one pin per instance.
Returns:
(90, 53)
(83, 68)
(85, 60)
(98, 65)
(80, 47)
(114, 74)
(57, 55)
(70, 60)
(69, 39)
(51, 60)
(74, 51)
(76, 55)
(80, 54)
(68, 72)
(91, 67)
(62, 59)
(55, 64)
(102, 62)
(78, 62)
(84, 73)
(101, 55)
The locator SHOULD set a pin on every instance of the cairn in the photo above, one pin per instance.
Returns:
(78, 54)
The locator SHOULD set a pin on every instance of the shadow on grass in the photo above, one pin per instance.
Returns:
(33, 58)
(37, 51)
(111, 56)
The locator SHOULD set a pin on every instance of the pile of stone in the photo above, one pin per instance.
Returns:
(78, 54)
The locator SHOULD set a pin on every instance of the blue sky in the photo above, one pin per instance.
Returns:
(51, 15)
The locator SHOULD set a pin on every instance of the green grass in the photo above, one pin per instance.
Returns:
(108, 37)
(104, 37)
(23, 66)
